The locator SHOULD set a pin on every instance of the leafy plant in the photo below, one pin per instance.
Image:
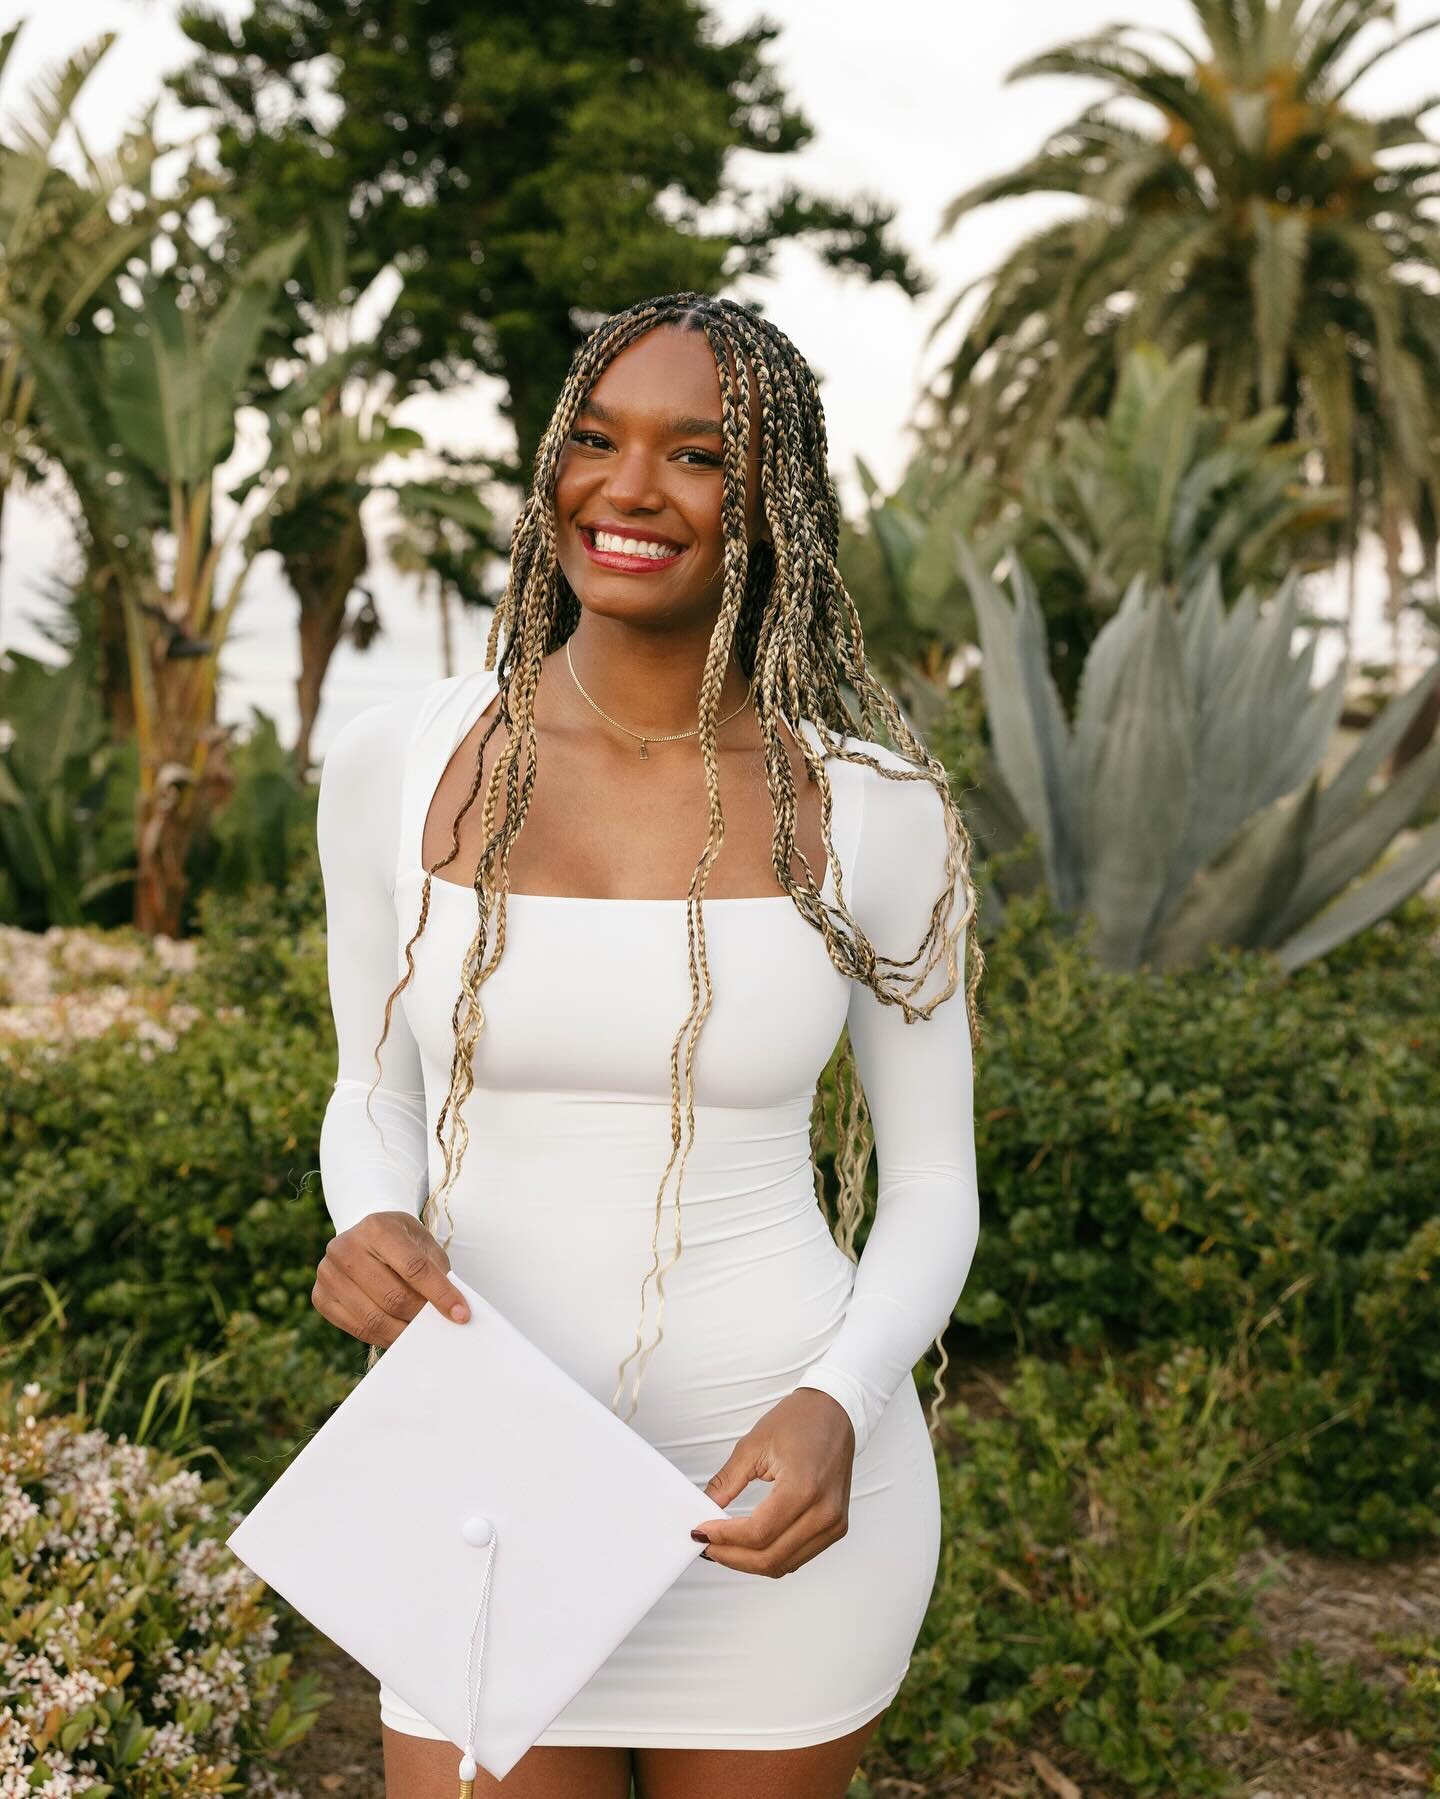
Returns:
(1232, 195)
(140, 1656)
(1168, 810)
(1088, 1580)
(1165, 487)
(67, 832)
(1234, 1157)
(1341, 1694)
(140, 418)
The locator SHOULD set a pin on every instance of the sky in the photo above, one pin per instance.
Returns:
(911, 109)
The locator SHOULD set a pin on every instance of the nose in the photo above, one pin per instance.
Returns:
(632, 481)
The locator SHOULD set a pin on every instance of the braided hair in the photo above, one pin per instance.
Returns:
(795, 632)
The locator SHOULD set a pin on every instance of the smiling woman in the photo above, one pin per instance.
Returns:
(626, 452)
(673, 580)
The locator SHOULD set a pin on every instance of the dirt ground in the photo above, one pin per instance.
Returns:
(1339, 1606)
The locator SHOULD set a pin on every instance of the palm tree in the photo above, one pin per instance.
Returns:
(1258, 214)
(63, 239)
(139, 420)
(330, 425)
(445, 533)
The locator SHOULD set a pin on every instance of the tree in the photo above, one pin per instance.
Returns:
(526, 168)
(62, 239)
(139, 419)
(1257, 214)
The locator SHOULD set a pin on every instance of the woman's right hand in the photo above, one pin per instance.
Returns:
(376, 1276)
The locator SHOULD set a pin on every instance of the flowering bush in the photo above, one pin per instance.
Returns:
(136, 1655)
(67, 985)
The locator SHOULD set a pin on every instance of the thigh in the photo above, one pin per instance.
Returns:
(424, 1768)
(823, 1771)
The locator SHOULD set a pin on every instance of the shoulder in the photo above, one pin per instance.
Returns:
(898, 796)
(362, 778)
(372, 744)
(899, 834)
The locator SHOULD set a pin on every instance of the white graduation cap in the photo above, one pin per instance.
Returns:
(477, 1529)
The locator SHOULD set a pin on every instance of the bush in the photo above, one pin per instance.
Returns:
(1088, 1577)
(161, 1219)
(139, 1657)
(1232, 1156)
(1225, 1156)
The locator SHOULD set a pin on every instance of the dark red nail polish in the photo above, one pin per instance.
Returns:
(699, 1536)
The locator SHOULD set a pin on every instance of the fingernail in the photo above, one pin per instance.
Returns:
(459, 1313)
(699, 1536)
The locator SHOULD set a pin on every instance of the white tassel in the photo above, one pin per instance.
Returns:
(480, 1534)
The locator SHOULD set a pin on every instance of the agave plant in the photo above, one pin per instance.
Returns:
(900, 568)
(1162, 486)
(1183, 807)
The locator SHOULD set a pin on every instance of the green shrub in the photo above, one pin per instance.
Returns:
(161, 1219)
(1403, 1720)
(1088, 1577)
(139, 1658)
(1229, 1156)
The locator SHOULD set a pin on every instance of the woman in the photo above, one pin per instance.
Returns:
(676, 639)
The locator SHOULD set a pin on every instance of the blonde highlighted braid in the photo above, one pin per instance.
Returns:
(794, 629)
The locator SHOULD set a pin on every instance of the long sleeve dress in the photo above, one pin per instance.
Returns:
(553, 1209)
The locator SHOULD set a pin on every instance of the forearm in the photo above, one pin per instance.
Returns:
(911, 1272)
(370, 1167)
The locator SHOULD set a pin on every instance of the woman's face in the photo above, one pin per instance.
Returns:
(640, 483)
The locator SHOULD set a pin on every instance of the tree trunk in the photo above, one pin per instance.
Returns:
(185, 777)
(447, 631)
(116, 692)
(323, 582)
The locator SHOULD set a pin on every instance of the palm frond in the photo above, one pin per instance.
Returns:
(1277, 272)
(1376, 57)
(52, 95)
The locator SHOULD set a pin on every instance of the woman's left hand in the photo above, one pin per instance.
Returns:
(806, 1445)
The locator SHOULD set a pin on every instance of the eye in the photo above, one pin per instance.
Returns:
(707, 459)
(580, 437)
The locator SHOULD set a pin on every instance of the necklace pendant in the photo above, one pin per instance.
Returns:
(643, 751)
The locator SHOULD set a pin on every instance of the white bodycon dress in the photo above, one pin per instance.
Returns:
(554, 1204)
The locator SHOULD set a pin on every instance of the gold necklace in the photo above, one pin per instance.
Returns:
(650, 736)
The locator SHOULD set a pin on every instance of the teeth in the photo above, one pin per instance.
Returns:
(632, 546)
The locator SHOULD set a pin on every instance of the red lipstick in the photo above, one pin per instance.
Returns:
(630, 563)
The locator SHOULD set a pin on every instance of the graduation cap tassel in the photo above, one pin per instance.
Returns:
(480, 1533)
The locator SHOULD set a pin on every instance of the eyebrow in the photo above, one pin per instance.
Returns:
(682, 425)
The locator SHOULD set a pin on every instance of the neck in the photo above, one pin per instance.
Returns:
(648, 683)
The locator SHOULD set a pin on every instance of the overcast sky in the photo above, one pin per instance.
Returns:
(909, 104)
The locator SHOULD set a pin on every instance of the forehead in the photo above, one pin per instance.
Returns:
(668, 370)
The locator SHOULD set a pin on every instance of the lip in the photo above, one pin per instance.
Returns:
(630, 565)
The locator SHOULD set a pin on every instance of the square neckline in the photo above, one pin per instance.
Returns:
(469, 715)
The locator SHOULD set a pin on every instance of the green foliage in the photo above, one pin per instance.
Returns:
(264, 836)
(899, 567)
(1182, 806)
(1231, 1157)
(1231, 195)
(67, 808)
(1341, 1695)
(170, 1202)
(1163, 487)
(1088, 1576)
(140, 1657)
(528, 167)
(67, 831)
